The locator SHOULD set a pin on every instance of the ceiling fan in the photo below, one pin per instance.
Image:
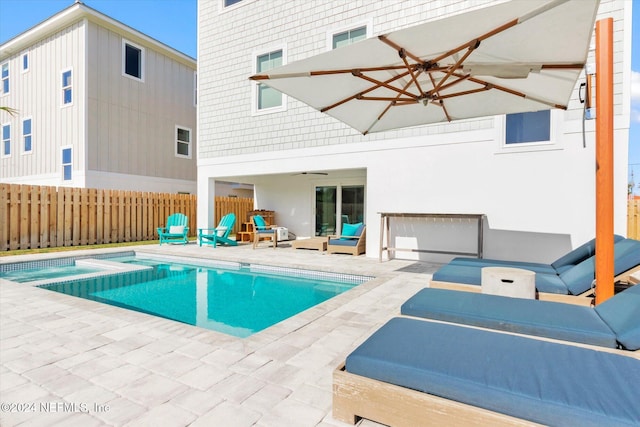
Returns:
(311, 173)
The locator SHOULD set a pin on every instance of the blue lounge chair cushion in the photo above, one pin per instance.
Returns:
(530, 317)
(622, 314)
(560, 265)
(540, 381)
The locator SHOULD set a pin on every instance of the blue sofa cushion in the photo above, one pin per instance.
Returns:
(343, 242)
(351, 230)
(530, 317)
(472, 275)
(622, 313)
(540, 381)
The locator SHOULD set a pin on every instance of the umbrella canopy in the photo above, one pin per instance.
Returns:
(514, 57)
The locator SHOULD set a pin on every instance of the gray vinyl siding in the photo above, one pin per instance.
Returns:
(38, 94)
(132, 123)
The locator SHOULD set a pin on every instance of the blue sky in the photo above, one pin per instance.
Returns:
(173, 22)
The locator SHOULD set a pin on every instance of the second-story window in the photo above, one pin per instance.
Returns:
(228, 3)
(5, 78)
(132, 60)
(67, 87)
(348, 37)
(26, 136)
(25, 62)
(183, 142)
(268, 97)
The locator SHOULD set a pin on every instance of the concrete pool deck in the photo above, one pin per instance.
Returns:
(68, 361)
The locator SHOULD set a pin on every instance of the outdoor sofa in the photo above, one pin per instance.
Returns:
(414, 372)
(352, 240)
(567, 280)
(614, 323)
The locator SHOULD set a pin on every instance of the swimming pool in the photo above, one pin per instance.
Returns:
(233, 298)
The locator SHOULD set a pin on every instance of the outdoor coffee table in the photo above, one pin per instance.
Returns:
(317, 243)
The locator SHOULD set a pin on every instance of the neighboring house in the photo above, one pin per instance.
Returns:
(99, 105)
(538, 196)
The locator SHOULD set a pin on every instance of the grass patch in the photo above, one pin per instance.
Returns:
(75, 248)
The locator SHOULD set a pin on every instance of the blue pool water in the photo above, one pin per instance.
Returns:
(237, 302)
(35, 274)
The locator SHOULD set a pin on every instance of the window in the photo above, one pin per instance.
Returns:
(268, 97)
(228, 3)
(5, 78)
(183, 142)
(348, 37)
(26, 136)
(67, 85)
(528, 127)
(6, 140)
(25, 62)
(66, 164)
(132, 60)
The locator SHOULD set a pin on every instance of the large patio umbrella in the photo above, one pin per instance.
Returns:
(514, 57)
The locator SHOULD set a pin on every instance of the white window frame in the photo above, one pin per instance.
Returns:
(2, 140)
(255, 111)
(22, 56)
(3, 78)
(24, 136)
(555, 119)
(189, 143)
(368, 24)
(63, 164)
(143, 61)
(64, 88)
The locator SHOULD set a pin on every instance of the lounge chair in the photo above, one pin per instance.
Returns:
(352, 240)
(220, 234)
(262, 230)
(574, 280)
(615, 323)
(568, 260)
(176, 229)
(418, 372)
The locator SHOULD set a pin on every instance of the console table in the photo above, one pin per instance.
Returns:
(385, 218)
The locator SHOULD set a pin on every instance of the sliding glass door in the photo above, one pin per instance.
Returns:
(337, 205)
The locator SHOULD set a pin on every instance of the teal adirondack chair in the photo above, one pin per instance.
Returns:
(220, 234)
(176, 230)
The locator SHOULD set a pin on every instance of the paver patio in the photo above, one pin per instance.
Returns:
(68, 361)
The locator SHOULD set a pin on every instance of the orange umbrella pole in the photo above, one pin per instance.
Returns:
(604, 160)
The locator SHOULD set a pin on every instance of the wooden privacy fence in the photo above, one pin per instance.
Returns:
(39, 216)
(633, 219)
(237, 205)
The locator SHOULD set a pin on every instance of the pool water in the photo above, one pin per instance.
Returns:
(237, 302)
(36, 274)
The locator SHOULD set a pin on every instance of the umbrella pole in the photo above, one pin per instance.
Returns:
(604, 160)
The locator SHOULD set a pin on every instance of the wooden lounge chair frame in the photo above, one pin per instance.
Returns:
(586, 298)
(358, 249)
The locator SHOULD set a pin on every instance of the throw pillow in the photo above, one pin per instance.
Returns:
(176, 229)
